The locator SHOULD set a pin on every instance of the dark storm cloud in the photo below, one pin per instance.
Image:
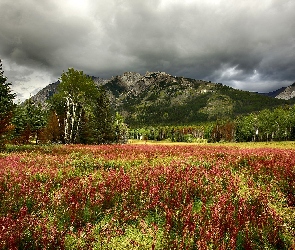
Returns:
(245, 44)
(34, 33)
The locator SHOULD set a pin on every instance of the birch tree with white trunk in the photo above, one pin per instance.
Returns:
(75, 96)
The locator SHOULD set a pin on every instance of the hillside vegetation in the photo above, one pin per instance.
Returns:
(154, 106)
(158, 98)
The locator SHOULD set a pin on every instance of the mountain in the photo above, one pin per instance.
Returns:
(275, 93)
(288, 93)
(45, 93)
(158, 98)
(285, 93)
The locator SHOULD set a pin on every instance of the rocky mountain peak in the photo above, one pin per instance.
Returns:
(45, 93)
(129, 78)
(288, 93)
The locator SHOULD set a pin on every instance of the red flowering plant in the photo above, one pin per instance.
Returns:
(147, 197)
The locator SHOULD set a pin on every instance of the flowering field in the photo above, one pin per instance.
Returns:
(147, 197)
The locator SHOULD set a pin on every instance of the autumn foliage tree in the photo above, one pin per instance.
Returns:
(6, 107)
(53, 130)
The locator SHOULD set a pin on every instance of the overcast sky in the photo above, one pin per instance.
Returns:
(246, 44)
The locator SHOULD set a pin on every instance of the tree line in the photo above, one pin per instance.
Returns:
(267, 125)
(79, 112)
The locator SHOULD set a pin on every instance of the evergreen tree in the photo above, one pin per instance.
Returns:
(29, 120)
(6, 107)
(101, 127)
(21, 132)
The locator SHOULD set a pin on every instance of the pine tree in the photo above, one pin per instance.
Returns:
(29, 119)
(100, 126)
(6, 107)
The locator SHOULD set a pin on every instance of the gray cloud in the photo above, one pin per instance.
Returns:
(246, 44)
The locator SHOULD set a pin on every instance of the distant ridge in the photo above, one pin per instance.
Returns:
(288, 93)
(158, 98)
(285, 93)
(275, 93)
(45, 93)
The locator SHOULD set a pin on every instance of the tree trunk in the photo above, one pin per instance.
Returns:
(78, 124)
(67, 122)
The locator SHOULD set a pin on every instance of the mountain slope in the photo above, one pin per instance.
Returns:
(288, 93)
(45, 93)
(158, 98)
(285, 93)
(275, 93)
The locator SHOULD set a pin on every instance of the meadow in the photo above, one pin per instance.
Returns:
(147, 196)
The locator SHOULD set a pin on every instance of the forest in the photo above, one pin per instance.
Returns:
(266, 125)
(78, 113)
